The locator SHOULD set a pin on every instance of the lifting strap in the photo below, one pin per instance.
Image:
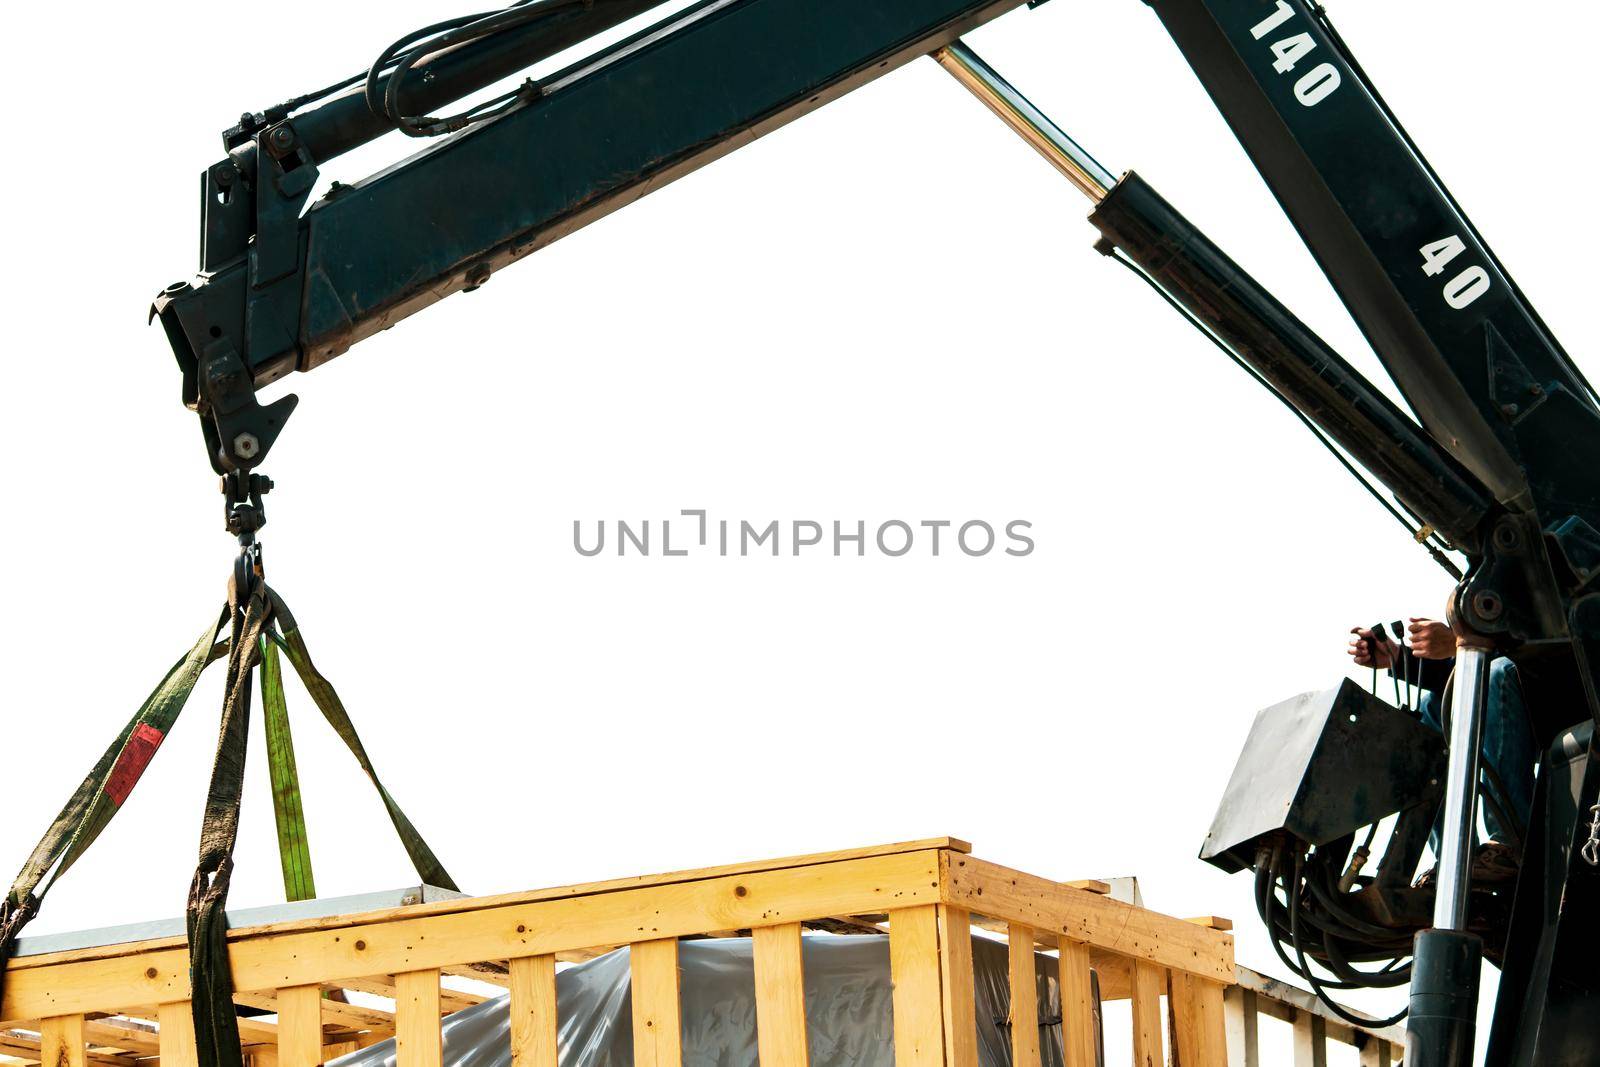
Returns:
(216, 1026)
(427, 865)
(252, 644)
(102, 794)
(288, 812)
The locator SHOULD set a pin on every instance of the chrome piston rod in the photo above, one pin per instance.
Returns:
(1470, 691)
(1035, 127)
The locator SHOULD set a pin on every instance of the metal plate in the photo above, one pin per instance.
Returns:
(1322, 765)
(322, 908)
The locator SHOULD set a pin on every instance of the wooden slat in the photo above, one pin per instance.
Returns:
(450, 1000)
(1239, 1013)
(1148, 982)
(1310, 1040)
(308, 957)
(25, 1048)
(300, 1026)
(252, 1031)
(957, 1000)
(1199, 1033)
(534, 1023)
(1077, 1006)
(1091, 918)
(1376, 1053)
(351, 1016)
(416, 1019)
(125, 1035)
(780, 996)
(1381, 1053)
(914, 973)
(19, 1047)
(471, 904)
(494, 972)
(178, 1045)
(1115, 974)
(1024, 998)
(62, 1042)
(657, 1010)
(1281, 1000)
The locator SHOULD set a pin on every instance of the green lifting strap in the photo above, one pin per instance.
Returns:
(428, 867)
(101, 795)
(250, 645)
(294, 846)
(210, 978)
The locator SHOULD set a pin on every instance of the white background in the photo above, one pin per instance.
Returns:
(887, 310)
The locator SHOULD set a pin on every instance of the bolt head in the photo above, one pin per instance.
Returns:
(247, 446)
(281, 140)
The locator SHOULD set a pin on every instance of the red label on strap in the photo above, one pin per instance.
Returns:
(136, 756)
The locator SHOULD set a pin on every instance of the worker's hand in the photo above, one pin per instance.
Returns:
(1369, 652)
(1430, 639)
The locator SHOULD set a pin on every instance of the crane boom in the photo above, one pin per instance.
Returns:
(285, 293)
(1500, 459)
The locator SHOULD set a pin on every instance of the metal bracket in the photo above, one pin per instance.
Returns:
(226, 213)
(1576, 546)
(243, 505)
(238, 428)
(1512, 388)
(285, 175)
(1504, 594)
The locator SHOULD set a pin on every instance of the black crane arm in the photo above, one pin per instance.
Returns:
(1502, 458)
(1488, 381)
(1494, 388)
(285, 289)
(1504, 461)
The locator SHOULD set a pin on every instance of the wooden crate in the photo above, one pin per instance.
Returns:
(126, 1004)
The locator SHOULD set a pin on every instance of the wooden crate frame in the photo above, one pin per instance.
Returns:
(89, 1006)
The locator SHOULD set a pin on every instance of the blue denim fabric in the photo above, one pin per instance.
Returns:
(1507, 743)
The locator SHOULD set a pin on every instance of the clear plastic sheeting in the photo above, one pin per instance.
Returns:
(849, 1013)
